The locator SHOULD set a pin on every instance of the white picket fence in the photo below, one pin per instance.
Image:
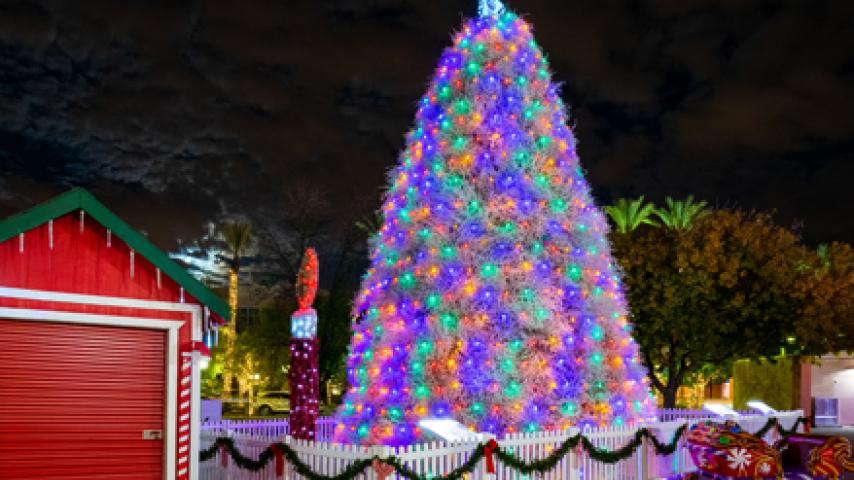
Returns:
(670, 414)
(441, 457)
(273, 427)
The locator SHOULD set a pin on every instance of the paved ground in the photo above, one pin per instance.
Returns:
(847, 432)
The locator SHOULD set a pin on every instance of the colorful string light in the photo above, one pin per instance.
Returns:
(492, 297)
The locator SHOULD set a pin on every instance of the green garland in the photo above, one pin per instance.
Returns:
(539, 466)
(783, 432)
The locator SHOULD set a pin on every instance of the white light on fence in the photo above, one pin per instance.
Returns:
(449, 429)
(720, 410)
(204, 362)
(761, 406)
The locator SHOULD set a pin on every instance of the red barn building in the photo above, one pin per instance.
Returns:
(101, 340)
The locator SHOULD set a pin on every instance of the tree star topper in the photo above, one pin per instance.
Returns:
(490, 8)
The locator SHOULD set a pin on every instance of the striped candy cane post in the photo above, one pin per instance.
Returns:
(184, 402)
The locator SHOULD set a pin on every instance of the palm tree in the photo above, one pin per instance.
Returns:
(682, 214)
(372, 223)
(823, 252)
(237, 237)
(628, 215)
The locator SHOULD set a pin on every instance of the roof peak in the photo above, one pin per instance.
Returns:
(79, 198)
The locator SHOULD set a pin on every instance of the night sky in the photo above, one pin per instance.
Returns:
(179, 115)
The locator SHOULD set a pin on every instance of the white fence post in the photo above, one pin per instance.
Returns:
(643, 460)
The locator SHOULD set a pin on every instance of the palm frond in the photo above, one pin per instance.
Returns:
(629, 214)
(682, 214)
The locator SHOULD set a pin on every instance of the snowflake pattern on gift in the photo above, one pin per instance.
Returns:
(738, 458)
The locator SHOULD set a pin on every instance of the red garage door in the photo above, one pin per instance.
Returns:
(75, 400)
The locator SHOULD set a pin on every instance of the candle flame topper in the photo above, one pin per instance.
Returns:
(306, 287)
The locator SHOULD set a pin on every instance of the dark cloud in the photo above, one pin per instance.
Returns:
(177, 113)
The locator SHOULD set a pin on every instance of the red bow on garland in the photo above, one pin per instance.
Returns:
(223, 455)
(280, 461)
(382, 469)
(490, 447)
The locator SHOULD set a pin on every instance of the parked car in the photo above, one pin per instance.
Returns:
(235, 406)
(268, 403)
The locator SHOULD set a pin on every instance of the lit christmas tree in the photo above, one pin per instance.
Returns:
(492, 297)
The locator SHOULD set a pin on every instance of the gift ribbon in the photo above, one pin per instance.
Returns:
(487, 452)
(382, 469)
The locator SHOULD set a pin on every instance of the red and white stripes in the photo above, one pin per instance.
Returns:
(184, 404)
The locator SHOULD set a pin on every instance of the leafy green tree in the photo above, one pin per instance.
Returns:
(267, 342)
(682, 214)
(333, 333)
(629, 214)
(825, 320)
(705, 295)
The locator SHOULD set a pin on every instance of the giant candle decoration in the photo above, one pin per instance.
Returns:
(303, 374)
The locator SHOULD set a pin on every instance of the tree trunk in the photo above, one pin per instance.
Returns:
(231, 337)
(669, 395)
(674, 381)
